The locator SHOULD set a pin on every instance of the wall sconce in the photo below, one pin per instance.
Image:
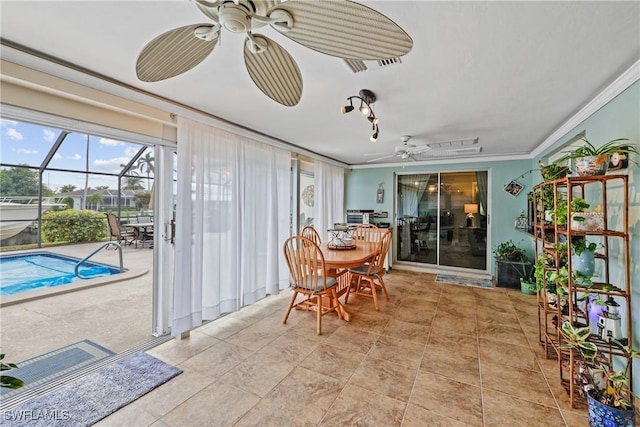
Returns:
(366, 98)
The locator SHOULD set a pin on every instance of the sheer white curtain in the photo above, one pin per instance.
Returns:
(232, 216)
(328, 205)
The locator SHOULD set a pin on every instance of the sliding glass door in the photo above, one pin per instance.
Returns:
(442, 219)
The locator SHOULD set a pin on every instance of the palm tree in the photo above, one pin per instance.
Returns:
(145, 165)
(132, 183)
(68, 188)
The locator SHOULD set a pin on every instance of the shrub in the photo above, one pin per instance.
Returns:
(73, 226)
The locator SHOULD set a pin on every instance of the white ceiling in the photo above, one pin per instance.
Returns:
(509, 73)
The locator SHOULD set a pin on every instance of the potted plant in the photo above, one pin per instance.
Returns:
(6, 380)
(589, 160)
(583, 255)
(607, 391)
(512, 264)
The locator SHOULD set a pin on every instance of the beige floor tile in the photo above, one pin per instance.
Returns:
(442, 339)
(352, 339)
(406, 330)
(255, 336)
(576, 419)
(333, 361)
(224, 327)
(172, 393)
(490, 316)
(420, 417)
(258, 374)
(521, 383)
(175, 352)
(356, 406)
(200, 409)
(372, 322)
(508, 355)
(302, 398)
(444, 322)
(453, 365)
(422, 315)
(465, 309)
(291, 347)
(384, 377)
(216, 360)
(397, 350)
(448, 398)
(502, 333)
(130, 415)
(504, 410)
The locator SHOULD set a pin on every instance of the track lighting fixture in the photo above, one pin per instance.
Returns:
(366, 98)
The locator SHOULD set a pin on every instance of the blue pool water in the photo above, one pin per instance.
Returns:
(20, 273)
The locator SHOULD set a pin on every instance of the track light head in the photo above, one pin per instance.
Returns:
(374, 137)
(364, 108)
(372, 119)
(347, 109)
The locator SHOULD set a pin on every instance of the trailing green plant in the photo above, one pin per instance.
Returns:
(597, 378)
(579, 244)
(8, 381)
(578, 204)
(614, 146)
(73, 226)
(509, 251)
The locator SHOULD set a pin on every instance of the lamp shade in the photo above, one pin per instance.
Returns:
(470, 208)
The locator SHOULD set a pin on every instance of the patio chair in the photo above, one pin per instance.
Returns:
(309, 278)
(366, 233)
(117, 232)
(363, 278)
(310, 233)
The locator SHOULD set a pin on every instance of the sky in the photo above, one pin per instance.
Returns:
(26, 143)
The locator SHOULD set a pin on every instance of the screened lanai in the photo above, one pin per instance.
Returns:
(52, 169)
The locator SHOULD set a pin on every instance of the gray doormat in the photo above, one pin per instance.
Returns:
(54, 365)
(90, 398)
(455, 279)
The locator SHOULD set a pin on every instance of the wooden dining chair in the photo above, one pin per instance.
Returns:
(366, 233)
(367, 279)
(310, 233)
(309, 278)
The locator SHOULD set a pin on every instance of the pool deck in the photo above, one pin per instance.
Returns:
(114, 312)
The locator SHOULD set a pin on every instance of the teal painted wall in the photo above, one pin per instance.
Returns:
(361, 186)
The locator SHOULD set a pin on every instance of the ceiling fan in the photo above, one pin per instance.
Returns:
(408, 151)
(339, 28)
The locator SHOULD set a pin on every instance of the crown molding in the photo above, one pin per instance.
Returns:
(619, 85)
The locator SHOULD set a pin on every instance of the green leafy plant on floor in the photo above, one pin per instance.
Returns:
(8, 381)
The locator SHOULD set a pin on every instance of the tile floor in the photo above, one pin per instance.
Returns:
(434, 355)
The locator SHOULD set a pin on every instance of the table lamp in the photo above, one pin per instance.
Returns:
(470, 209)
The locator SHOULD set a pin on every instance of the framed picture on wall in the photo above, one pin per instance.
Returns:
(514, 188)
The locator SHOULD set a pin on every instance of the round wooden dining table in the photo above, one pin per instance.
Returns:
(337, 261)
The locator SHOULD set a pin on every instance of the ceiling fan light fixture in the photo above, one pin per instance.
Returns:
(364, 109)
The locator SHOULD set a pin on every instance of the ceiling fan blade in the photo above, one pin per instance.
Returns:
(273, 70)
(173, 53)
(419, 149)
(344, 29)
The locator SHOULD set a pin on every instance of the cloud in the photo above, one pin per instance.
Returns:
(48, 135)
(25, 151)
(75, 157)
(7, 123)
(57, 156)
(14, 134)
(110, 142)
(130, 152)
(111, 165)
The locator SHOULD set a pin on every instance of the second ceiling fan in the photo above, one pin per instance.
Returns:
(339, 28)
(408, 151)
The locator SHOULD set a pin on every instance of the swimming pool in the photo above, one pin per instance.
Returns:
(36, 270)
